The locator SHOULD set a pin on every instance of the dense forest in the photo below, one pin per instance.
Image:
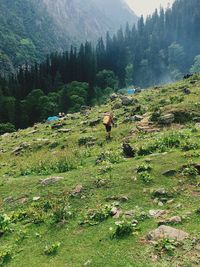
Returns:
(161, 49)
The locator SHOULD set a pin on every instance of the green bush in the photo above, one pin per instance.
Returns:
(52, 249)
(6, 128)
(124, 229)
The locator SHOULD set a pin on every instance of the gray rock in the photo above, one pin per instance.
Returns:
(36, 198)
(77, 190)
(126, 101)
(172, 220)
(94, 122)
(117, 105)
(157, 213)
(169, 173)
(164, 231)
(50, 180)
(113, 97)
(64, 130)
(166, 119)
(186, 91)
(20, 148)
(137, 118)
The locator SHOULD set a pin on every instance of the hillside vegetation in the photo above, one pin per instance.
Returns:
(70, 198)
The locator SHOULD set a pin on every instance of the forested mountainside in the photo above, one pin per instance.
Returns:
(31, 29)
(158, 50)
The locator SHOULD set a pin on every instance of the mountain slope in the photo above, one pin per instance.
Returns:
(61, 187)
(30, 29)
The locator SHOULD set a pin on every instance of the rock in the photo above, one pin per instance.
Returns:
(36, 198)
(113, 96)
(32, 132)
(117, 105)
(137, 118)
(50, 180)
(117, 198)
(128, 151)
(166, 119)
(57, 126)
(126, 101)
(169, 173)
(94, 122)
(160, 203)
(197, 125)
(138, 90)
(129, 214)
(164, 231)
(85, 108)
(193, 81)
(157, 213)
(115, 212)
(20, 148)
(64, 130)
(8, 200)
(77, 190)
(87, 263)
(22, 200)
(134, 222)
(187, 76)
(196, 119)
(172, 220)
(186, 91)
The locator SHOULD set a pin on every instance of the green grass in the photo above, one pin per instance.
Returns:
(33, 227)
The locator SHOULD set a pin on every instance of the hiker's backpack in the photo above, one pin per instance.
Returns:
(106, 119)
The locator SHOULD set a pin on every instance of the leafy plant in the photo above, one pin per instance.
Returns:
(5, 223)
(166, 246)
(5, 255)
(144, 168)
(146, 177)
(52, 249)
(124, 229)
(62, 214)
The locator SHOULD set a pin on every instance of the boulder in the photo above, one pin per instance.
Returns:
(186, 91)
(172, 220)
(169, 173)
(157, 213)
(57, 126)
(128, 151)
(117, 198)
(164, 231)
(166, 119)
(126, 101)
(117, 105)
(20, 148)
(50, 180)
(77, 191)
(64, 130)
(94, 122)
(137, 118)
(113, 96)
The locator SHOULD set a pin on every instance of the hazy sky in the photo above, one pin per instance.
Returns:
(146, 7)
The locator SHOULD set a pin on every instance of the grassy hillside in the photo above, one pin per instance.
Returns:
(99, 205)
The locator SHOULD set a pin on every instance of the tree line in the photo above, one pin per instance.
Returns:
(157, 50)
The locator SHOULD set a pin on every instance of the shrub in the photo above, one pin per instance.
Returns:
(96, 216)
(124, 229)
(146, 177)
(144, 168)
(190, 171)
(7, 128)
(110, 156)
(62, 214)
(52, 249)
(5, 255)
(188, 145)
(166, 246)
(4, 223)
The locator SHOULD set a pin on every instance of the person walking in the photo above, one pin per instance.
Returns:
(108, 123)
